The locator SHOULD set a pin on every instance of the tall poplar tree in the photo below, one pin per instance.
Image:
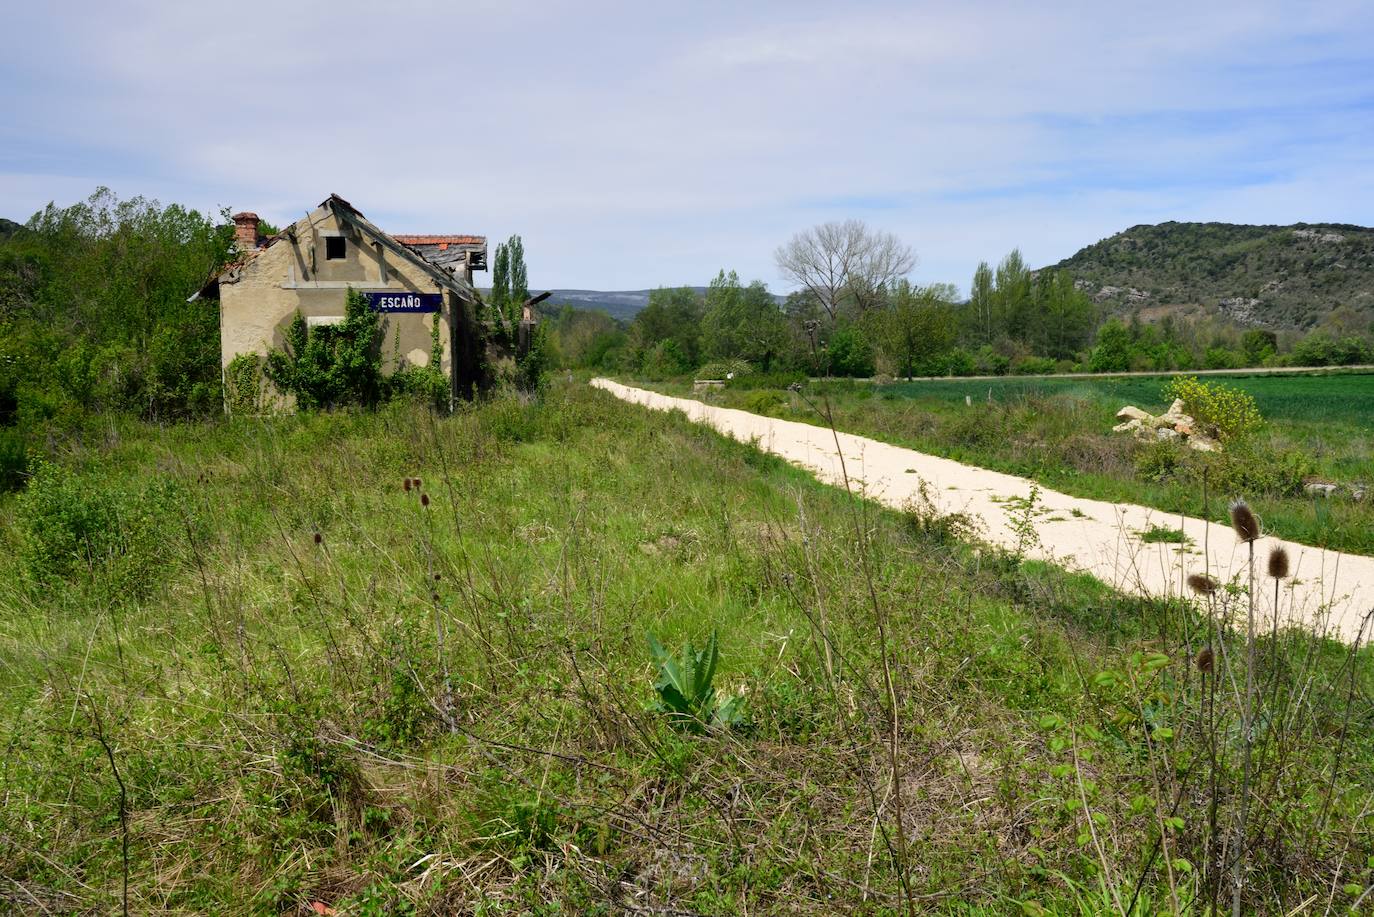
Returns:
(519, 281)
(500, 281)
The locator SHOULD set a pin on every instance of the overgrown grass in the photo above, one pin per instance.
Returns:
(1058, 432)
(437, 698)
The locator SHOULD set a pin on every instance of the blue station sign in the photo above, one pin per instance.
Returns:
(405, 302)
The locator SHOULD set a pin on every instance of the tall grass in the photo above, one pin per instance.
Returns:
(437, 698)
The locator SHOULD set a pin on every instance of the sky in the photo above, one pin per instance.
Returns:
(646, 144)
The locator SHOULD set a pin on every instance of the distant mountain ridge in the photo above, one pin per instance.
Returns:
(1263, 276)
(621, 304)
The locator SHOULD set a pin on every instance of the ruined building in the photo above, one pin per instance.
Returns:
(310, 265)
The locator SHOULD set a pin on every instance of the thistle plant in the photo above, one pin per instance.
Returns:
(1248, 530)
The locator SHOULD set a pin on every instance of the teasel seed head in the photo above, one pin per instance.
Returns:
(418, 483)
(318, 538)
(1204, 659)
(407, 485)
(1244, 521)
(424, 499)
(1202, 584)
(1278, 563)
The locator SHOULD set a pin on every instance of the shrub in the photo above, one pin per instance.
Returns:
(850, 353)
(1243, 470)
(332, 365)
(1224, 412)
(71, 525)
(722, 369)
(1034, 366)
(992, 363)
(243, 383)
(14, 459)
(959, 362)
(765, 401)
(1222, 358)
(1159, 461)
(422, 384)
(532, 366)
(664, 359)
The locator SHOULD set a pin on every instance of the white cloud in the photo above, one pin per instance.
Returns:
(638, 144)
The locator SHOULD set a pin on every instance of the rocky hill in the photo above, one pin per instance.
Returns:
(1265, 276)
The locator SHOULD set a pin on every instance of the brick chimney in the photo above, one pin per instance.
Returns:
(246, 231)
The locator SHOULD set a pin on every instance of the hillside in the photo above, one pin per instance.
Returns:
(622, 304)
(1267, 276)
(619, 304)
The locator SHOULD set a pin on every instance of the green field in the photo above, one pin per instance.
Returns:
(1342, 399)
(250, 653)
(1058, 431)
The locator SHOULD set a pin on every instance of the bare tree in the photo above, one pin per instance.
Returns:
(839, 259)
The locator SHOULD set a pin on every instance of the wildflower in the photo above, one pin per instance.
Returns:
(424, 499)
(1244, 521)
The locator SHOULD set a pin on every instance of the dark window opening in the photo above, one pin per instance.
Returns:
(333, 248)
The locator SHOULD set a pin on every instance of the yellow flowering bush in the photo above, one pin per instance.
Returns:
(1227, 413)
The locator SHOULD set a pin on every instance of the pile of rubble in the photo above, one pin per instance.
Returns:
(1172, 424)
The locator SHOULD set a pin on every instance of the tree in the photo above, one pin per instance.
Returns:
(672, 315)
(982, 302)
(583, 337)
(519, 280)
(741, 322)
(1113, 351)
(500, 281)
(1259, 345)
(848, 353)
(1014, 301)
(93, 303)
(1063, 316)
(843, 262)
(917, 326)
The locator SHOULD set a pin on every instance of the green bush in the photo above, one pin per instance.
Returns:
(421, 384)
(14, 459)
(332, 365)
(72, 526)
(1033, 366)
(243, 384)
(959, 362)
(1159, 461)
(763, 402)
(848, 353)
(733, 369)
(1243, 471)
(1224, 412)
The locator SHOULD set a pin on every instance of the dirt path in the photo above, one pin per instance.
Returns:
(1330, 591)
